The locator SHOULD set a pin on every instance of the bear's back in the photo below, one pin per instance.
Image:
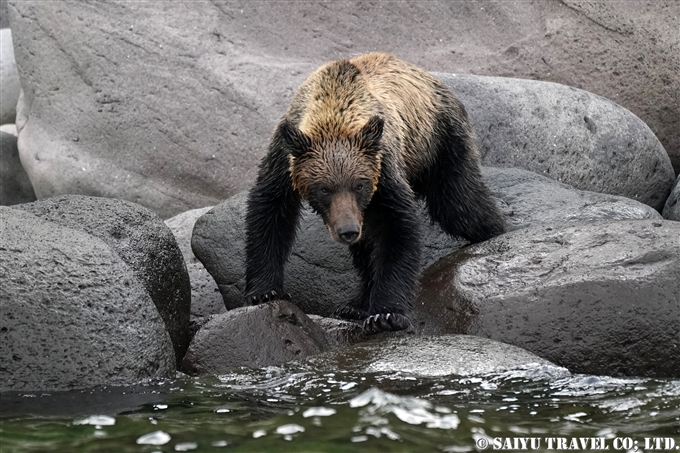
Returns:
(337, 100)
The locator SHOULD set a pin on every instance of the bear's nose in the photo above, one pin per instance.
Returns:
(348, 233)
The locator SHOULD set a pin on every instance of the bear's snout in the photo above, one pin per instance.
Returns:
(344, 218)
(348, 233)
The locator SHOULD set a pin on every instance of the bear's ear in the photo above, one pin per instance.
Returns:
(298, 143)
(369, 136)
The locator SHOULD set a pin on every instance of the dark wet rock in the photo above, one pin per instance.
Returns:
(205, 296)
(599, 298)
(205, 86)
(319, 273)
(73, 314)
(671, 210)
(257, 336)
(567, 134)
(142, 241)
(432, 356)
(15, 187)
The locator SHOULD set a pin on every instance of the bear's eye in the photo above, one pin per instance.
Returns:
(359, 187)
(325, 190)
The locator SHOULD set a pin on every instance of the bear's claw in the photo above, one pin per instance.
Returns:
(385, 322)
(266, 297)
(349, 311)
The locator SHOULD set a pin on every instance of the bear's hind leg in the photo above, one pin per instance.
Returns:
(456, 196)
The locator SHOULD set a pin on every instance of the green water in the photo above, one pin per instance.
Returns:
(289, 409)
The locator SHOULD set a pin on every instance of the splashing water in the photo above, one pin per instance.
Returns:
(299, 408)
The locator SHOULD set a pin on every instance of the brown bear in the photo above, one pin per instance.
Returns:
(360, 141)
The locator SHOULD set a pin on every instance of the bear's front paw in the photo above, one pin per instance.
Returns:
(350, 311)
(266, 297)
(385, 322)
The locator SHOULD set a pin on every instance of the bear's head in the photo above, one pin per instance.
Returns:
(336, 176)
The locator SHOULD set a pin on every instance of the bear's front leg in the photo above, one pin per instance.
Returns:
(392, 263)
(271, 220)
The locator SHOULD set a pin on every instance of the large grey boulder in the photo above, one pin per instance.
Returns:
(319, 273)
(567, 134)
(598, 298)
(72, 312)
(204, 83)
(257, 336)
(10, 86)
(671, 210)
(205, 296)
(15, 187)
(142, 241)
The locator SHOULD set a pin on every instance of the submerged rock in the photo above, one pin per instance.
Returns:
(73, 314)
(319, 273)
(433, 356)
(142, 241)
(257, 336)
(599, 298)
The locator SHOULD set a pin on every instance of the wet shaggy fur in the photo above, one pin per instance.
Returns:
(360, 141)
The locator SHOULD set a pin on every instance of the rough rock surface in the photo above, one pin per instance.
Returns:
(257, 336)
(319, 273)
(671, 210)
(15, 187)
(567, 134)
(142, 240)
(205, 296)
(72, 312)
(10, 86)
(599, 298)
(204, 82)
(4, 16)
(432, 356)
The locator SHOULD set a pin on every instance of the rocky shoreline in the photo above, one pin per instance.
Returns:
(127, 122)
(101, 286)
